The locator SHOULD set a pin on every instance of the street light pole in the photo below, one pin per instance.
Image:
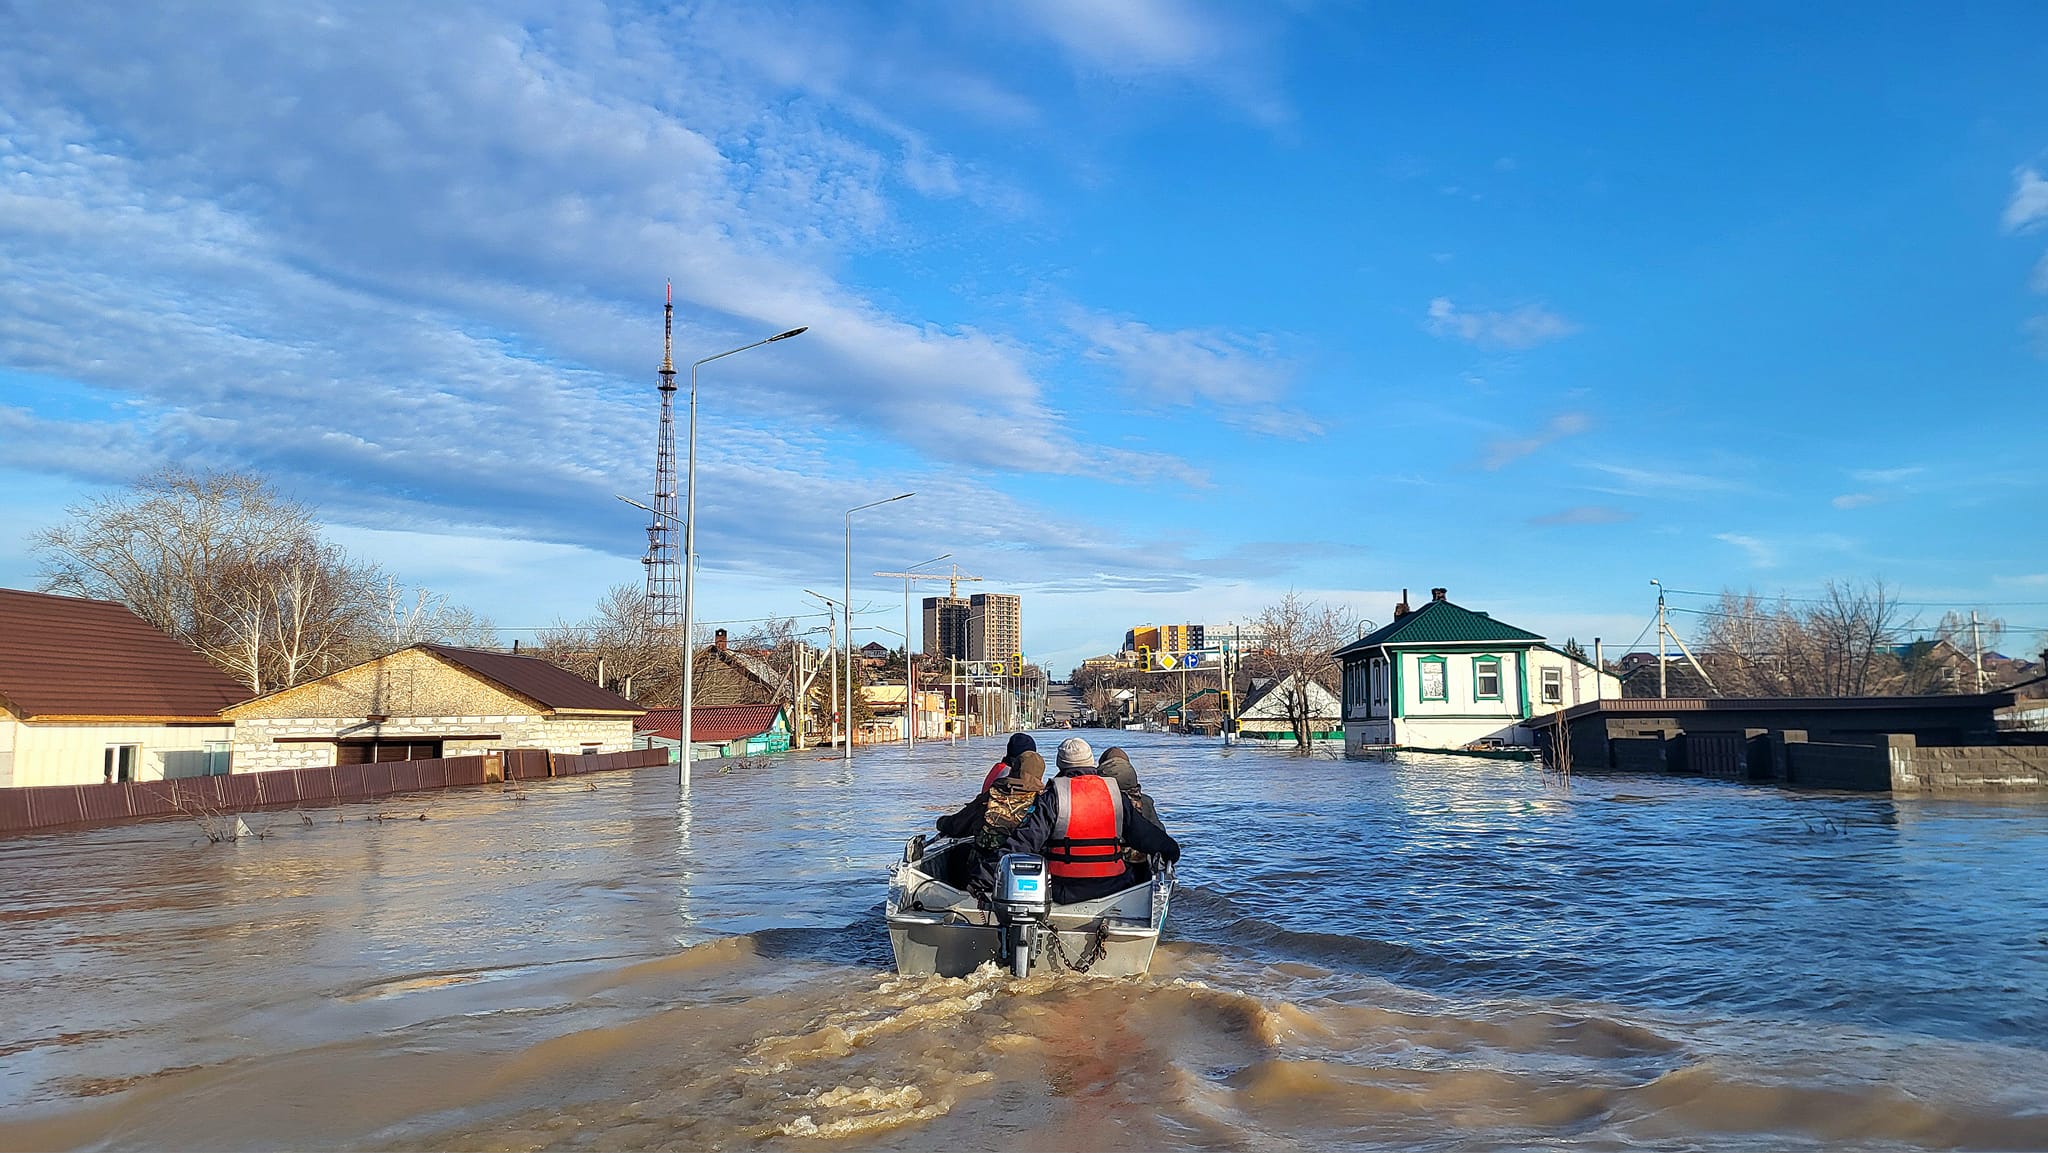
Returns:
(910, 670)
(846, 607)
(690, 550)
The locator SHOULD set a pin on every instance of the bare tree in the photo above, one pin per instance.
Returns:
(1845, 643)
(1299, 639)
(620, 634)
(167, 545)
(224, 563)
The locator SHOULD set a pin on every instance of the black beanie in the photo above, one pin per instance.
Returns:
(1019, 743)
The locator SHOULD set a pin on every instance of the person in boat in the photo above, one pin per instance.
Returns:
(1082, 824)
(1116, 765)
(1020, 743)
(990, 818)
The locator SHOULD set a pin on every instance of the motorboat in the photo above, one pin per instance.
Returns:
(938, 928)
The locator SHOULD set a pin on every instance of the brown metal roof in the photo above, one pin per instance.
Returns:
(551, 686)
(70, 657)
(711, 724)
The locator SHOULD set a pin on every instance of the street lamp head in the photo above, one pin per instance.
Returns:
(790, 333)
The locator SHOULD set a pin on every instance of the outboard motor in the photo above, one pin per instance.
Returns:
(1023, 904)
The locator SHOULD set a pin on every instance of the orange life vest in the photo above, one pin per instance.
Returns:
(1087, 836)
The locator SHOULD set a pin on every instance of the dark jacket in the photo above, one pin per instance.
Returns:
(1140, 833)
(990, 817)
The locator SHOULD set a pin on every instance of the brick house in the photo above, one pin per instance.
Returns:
(90, 693)
(430, 701)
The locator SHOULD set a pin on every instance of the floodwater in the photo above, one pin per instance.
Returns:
(1407, 953)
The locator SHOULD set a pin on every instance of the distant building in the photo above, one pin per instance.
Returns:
(723, 675)
(1267, 712)
(994, 627)
(91, 693)
(1443, 677)
(1165, 638)
(946, 627)
(430, 701)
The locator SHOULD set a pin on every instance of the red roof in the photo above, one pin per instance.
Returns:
(711, 724)
(69, 657)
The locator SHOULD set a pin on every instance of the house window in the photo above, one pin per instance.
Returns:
(1553, 686)
(1486, 678)
(377, 752)
(120, 762)
(1434, 685)
(1379, 685)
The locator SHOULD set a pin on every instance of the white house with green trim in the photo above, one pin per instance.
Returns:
(1443, 677)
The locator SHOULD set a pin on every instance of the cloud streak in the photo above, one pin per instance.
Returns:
(1517, 329)
(1239, 377)
(1506, 451)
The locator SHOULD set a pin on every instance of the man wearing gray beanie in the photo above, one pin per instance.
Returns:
(1075, 757)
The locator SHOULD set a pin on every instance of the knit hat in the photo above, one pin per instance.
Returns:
(1019, 743)
(1116, 764)
(1075, 754)
(1030, 770)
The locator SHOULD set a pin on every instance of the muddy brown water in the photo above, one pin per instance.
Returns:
(1406, 953)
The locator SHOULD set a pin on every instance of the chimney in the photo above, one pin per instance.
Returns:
(1401, 609)
(718, 640)
(515, 646)
(1436, 595)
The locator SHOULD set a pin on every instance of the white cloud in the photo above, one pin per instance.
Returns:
(1507, 450)
(2029, 203)
(1144, 39)
(1520, 328)
(1887, 475)
(1635, 481)
(1855, 499)
(408, 252)
(1239, 376)
(1762, 554)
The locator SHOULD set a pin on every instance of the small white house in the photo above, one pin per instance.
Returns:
(90, 693)
(1444, 677)
(1268, 712)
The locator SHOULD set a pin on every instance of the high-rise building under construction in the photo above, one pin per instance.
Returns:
(945, 627)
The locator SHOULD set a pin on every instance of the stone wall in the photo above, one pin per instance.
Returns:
(1913, 768)
(263, 743)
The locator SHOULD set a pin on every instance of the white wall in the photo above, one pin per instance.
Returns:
(1458, 673)
(1580, 682)
(75, 754)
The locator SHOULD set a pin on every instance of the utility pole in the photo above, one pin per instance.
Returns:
(1977, 644)
(1664, 634)
(1662, 628)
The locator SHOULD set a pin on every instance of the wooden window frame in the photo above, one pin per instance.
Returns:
(1443, 667)
(1499, 684)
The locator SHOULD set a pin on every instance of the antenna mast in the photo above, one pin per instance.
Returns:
(664, 557)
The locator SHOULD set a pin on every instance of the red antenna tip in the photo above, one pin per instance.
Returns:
(669, 292)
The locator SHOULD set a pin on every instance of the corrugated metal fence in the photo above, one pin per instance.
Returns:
(50, 805)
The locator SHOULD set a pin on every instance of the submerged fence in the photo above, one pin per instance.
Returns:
(45, 806)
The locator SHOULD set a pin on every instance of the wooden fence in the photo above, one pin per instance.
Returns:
(45, 806)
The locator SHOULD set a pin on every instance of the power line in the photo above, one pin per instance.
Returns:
(1824, 600)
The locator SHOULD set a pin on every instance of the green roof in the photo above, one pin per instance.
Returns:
(1441, 623)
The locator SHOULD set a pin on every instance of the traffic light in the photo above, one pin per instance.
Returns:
(1145, 658)
(997, 670)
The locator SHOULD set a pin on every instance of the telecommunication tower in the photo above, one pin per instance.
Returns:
(664, 556)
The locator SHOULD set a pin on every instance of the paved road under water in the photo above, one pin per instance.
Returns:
(1411, 953)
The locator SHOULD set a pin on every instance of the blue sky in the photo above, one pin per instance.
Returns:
(1162, 307)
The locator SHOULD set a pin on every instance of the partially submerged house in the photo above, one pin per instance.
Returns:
(718, 730)
(1444, 677)
(1269, 709)
(91, 693)
(430, 701)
